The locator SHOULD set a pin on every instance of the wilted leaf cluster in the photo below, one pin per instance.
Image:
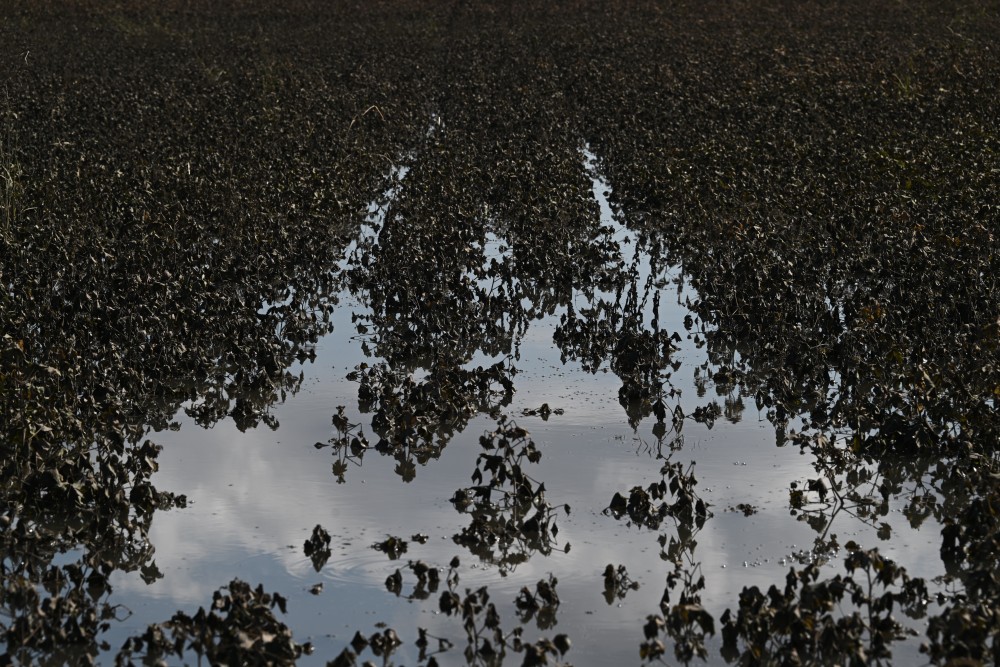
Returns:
(238, 629)
(673, 496)
(487, 641)
(617, 583)
(847, 619)
(510, 516)
(317, 547)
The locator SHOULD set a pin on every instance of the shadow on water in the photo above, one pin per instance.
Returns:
(571, 209)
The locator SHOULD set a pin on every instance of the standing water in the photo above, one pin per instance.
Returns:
(255, 496)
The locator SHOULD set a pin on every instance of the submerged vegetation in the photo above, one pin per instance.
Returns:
(186, 199)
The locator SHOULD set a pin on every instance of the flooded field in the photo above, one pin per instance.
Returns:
(433, 333)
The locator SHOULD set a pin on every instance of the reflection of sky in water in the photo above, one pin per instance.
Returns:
(255, 497)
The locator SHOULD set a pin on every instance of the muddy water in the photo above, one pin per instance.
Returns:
(255, 496)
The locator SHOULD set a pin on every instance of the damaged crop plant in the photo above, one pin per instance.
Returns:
(185, 194)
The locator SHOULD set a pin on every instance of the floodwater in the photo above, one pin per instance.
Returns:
(720, 280)
(254, 497)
